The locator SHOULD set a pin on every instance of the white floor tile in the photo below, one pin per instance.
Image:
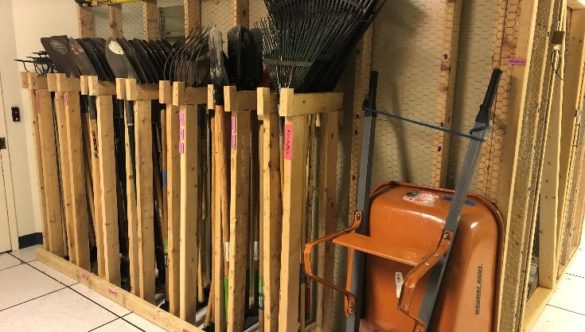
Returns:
(577, 265)
(7, 261)
(22, 283)
(569, 294)
(54, 274)
(143, 323)
(27, 254)
(105, 302)
(119, 325)
(557, 320)
(62, 311)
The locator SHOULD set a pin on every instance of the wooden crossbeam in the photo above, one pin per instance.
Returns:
(271, 217)
(150, 16)
(86, 24)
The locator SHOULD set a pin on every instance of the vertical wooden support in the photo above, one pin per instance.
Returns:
(31, 82)
(572, 100)
(144, 197)
(293, 207)
(188, 148)
(327, 214)
(70, 89)
(115, 20)
(150, 16)
(192, 10)
(510, 106)
(173, 196)
(86, 24)
(64, 165)
(271, 217)
(447, 89)
(50, 178)
(239, 209)
(221, 207)
(240, 12)
(360, 92)
(135, 275)
(108, 180)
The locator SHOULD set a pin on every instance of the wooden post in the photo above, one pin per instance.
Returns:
(192, 15)
(173, 196)
(70, 88)
(64, 164)
(240, 12)
(293, 108)
(50, 178)
(104, 91)
(115, 20)
(327, 214)
(239, 206)
(150, 16)
(271, 217)
(31, 82)
(142, 97)
(447, 90)
(135, 275)
(86, 24)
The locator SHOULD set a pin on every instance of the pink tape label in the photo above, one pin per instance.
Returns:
(181, 134)
(234, 131)
(517, 62)
(182, 118)
(181, 147)
(288, 144)
(84, 276)
(66, 98)
(113, 291)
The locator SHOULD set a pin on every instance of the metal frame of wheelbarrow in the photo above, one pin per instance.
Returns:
(435, 262)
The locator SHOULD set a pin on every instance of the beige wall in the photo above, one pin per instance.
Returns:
(22, 24)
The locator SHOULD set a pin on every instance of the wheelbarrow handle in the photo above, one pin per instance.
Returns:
(418, 272)
(308, 263)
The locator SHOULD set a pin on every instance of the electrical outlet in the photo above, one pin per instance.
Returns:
(15, 114)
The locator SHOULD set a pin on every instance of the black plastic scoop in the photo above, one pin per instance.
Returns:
(57, 48)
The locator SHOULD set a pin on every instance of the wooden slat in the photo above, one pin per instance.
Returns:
(135, 276)
(448, 76)
(535, 306)
(149, 311)
(271, 218)
(115, 20)
(144, 198)
(95, 189)
(293, 203)
(310, 103)
(360, 92)
(221, 207)
(192, 15)
(77, 178)
(108, 182)
(240, 12)
(150, 17)
(327, 214)
(572, 99)
(53, 209)
(188, 148)
(86, 24)
(173, 206)
(65, 173)
(239, 218)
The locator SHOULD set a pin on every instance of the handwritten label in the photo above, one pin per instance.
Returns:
(181, 147)
(234, 131)
(182, 118)
(288, 143)
(66, 98)
(517, 62)
(113, 292)
(84, 276)
(182, 134)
